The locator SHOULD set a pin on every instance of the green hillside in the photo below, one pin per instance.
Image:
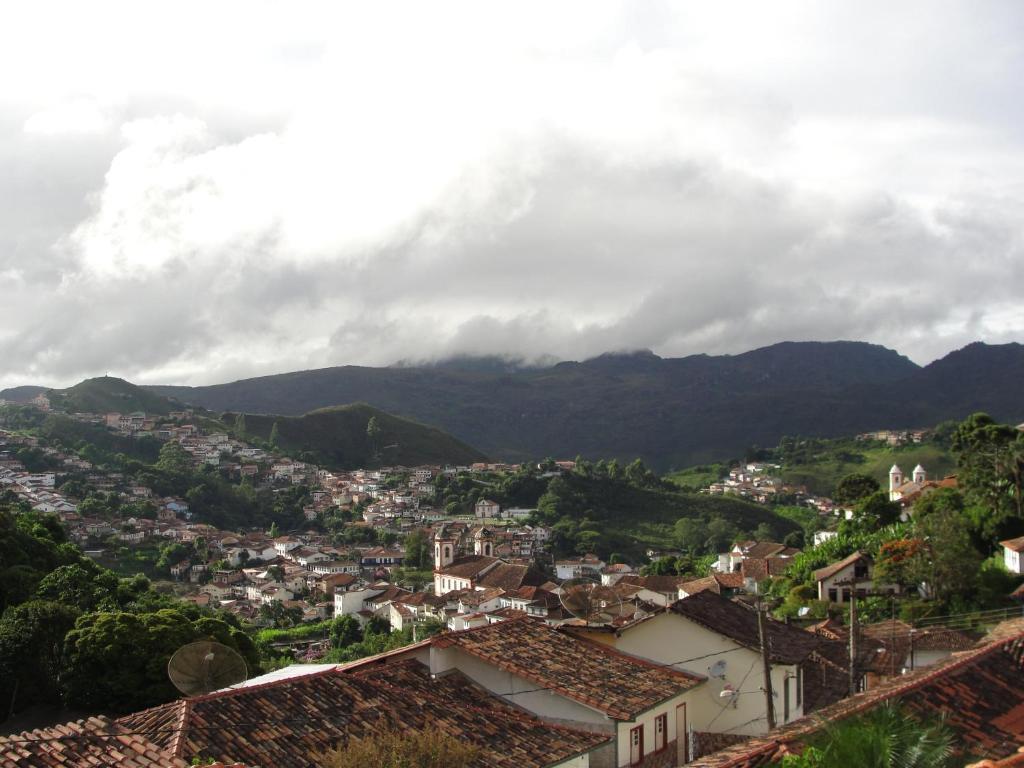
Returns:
(591, 509)
(821, 475)
(337, 438)
(820, 464)
(107, 394)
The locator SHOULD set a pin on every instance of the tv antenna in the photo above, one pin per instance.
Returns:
(206, 666)
(591, 602)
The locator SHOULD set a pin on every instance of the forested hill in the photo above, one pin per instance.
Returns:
(22, 394)
(671, 412)
(108, 394)
(339, 438)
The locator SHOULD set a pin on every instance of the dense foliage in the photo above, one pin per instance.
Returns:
(74, 632)
(394, 749)
(885, 737)
(606, 509)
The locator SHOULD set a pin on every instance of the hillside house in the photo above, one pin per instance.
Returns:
(589, 566)
(718, 638)
(836, 581)
(561, 678)
(1011, 554)
(486, 508)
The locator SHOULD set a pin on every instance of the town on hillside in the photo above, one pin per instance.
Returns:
(383, 590)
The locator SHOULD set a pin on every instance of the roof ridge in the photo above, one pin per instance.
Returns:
(178, 739)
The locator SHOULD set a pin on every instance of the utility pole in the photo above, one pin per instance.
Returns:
(853, 637)
(767, 668)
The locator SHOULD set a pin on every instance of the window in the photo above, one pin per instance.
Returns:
(799, 686)
(660, 732)
(832, 595)
(636, 745)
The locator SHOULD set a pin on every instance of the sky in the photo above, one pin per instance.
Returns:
(193, 193)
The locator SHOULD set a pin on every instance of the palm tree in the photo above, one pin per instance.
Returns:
(885, 737)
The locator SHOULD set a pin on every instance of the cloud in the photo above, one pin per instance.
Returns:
(517, 181)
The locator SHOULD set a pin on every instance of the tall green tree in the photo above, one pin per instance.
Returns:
(373, 432)
(118, 661)
(240, 426)
(31, 651)
(853, 488)
(417, 550)
(990, 462)
(275, 436)
(175, 459)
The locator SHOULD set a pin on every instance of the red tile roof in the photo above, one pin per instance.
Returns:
(617, 684)
(831, 570)
(96, 741)
(468, 567)
(283, 723)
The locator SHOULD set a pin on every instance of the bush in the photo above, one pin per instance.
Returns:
(392, 749)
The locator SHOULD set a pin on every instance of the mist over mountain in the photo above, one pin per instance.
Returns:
(672, 412)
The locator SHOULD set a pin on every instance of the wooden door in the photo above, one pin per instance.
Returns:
(636, 745)
(682, 736)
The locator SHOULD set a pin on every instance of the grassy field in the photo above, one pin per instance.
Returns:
(700, 476)
(875, 460)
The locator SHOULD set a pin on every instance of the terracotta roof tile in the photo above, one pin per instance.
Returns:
(592, 674)
(284, 722)
(95, 741)
(831, 570)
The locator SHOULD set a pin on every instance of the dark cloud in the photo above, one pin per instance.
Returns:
(611, 179)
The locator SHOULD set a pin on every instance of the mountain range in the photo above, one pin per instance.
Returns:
(671, 412)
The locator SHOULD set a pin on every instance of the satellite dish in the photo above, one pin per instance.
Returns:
(717, 669)
(205, 666)
(592, 602)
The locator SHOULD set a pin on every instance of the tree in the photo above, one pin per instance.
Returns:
(720, 534)
(118, 661)
(275, 436)
(84, 585)
(240, 425)
(885, 737)
(274, 530)
(373, 432)
(689, 534)
(393, 749)
(31, 647)
(417, 550)
(876, 511)
(895, 563)
(174, 459)
(853, 488)
(990, 461)
(279, 616)
(345, 631)
(948, 562)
